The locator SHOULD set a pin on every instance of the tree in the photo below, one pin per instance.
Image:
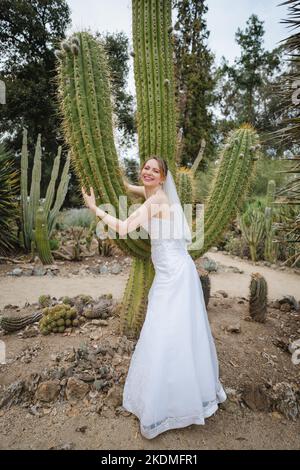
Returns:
(29, 32)
(116, 46)
(246, 88)
(195, 83)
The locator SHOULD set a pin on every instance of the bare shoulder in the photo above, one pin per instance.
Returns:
(159, 197)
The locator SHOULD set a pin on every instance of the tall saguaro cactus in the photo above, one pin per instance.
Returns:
(84, 93)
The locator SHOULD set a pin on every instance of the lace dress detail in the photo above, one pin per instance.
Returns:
(173, 377)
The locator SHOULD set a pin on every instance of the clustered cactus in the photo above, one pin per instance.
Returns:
(38, 216)
(84, 93)
(56, 319)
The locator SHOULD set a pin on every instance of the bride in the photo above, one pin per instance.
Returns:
(173, 377)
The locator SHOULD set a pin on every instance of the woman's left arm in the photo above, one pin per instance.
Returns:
(140, 216)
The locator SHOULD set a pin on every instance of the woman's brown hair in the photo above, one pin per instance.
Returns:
(163, 166)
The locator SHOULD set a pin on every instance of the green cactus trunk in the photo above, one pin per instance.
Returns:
(41, 236)
(231, 183)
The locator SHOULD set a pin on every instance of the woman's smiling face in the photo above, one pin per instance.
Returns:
(150, 174)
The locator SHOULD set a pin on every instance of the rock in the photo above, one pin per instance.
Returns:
(28, 272)
(13, 394)
(114, 397)
(116, 268)
(285, 307)
(209, 264)
(95, 336)
(275, 304)
(292, 347)
(81, 429)
(30, 331)
(67, 446)
(17, 272)
(76, 389)
(99, 384)
(103, 269)
(285, 398)
(236, 328)
(255, 397)
(48, 391)
(222, 292)
(289, 299)
(39, 270)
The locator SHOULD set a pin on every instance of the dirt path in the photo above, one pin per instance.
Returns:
(279, 282)
(19, 290)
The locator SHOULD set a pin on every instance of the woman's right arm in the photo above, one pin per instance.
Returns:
(138, 190)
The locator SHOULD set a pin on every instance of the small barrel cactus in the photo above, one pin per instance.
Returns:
(258, 298)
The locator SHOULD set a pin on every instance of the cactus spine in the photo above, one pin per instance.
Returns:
(258, 297)
(84, 95)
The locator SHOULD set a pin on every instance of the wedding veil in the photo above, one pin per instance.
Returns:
(180, 224)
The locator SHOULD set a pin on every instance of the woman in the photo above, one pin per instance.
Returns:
(173, 377)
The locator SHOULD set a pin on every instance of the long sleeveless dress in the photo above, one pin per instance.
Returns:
(173, 377)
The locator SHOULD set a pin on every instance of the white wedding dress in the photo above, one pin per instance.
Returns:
(173, 377)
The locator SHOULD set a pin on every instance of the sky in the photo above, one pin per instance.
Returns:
(223, 19)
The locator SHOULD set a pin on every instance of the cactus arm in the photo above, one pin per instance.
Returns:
(60, 195)
(41, 236)
(34, 197)
(24, 192)
(232, 180)
(51, 187)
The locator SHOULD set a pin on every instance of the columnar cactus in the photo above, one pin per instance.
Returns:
(30, 204)
(258, 298)
(84, 96)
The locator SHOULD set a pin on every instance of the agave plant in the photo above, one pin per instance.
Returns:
(84, 92)
(8, 204)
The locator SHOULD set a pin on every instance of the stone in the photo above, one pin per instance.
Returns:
(255, 397)
(48, 391)
(17, 272)
(236, 328)
(222, 292)
(114, 397)
(116, 268)
(103, 269)
(76, 389)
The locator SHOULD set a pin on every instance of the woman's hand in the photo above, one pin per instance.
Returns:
(90, 201)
